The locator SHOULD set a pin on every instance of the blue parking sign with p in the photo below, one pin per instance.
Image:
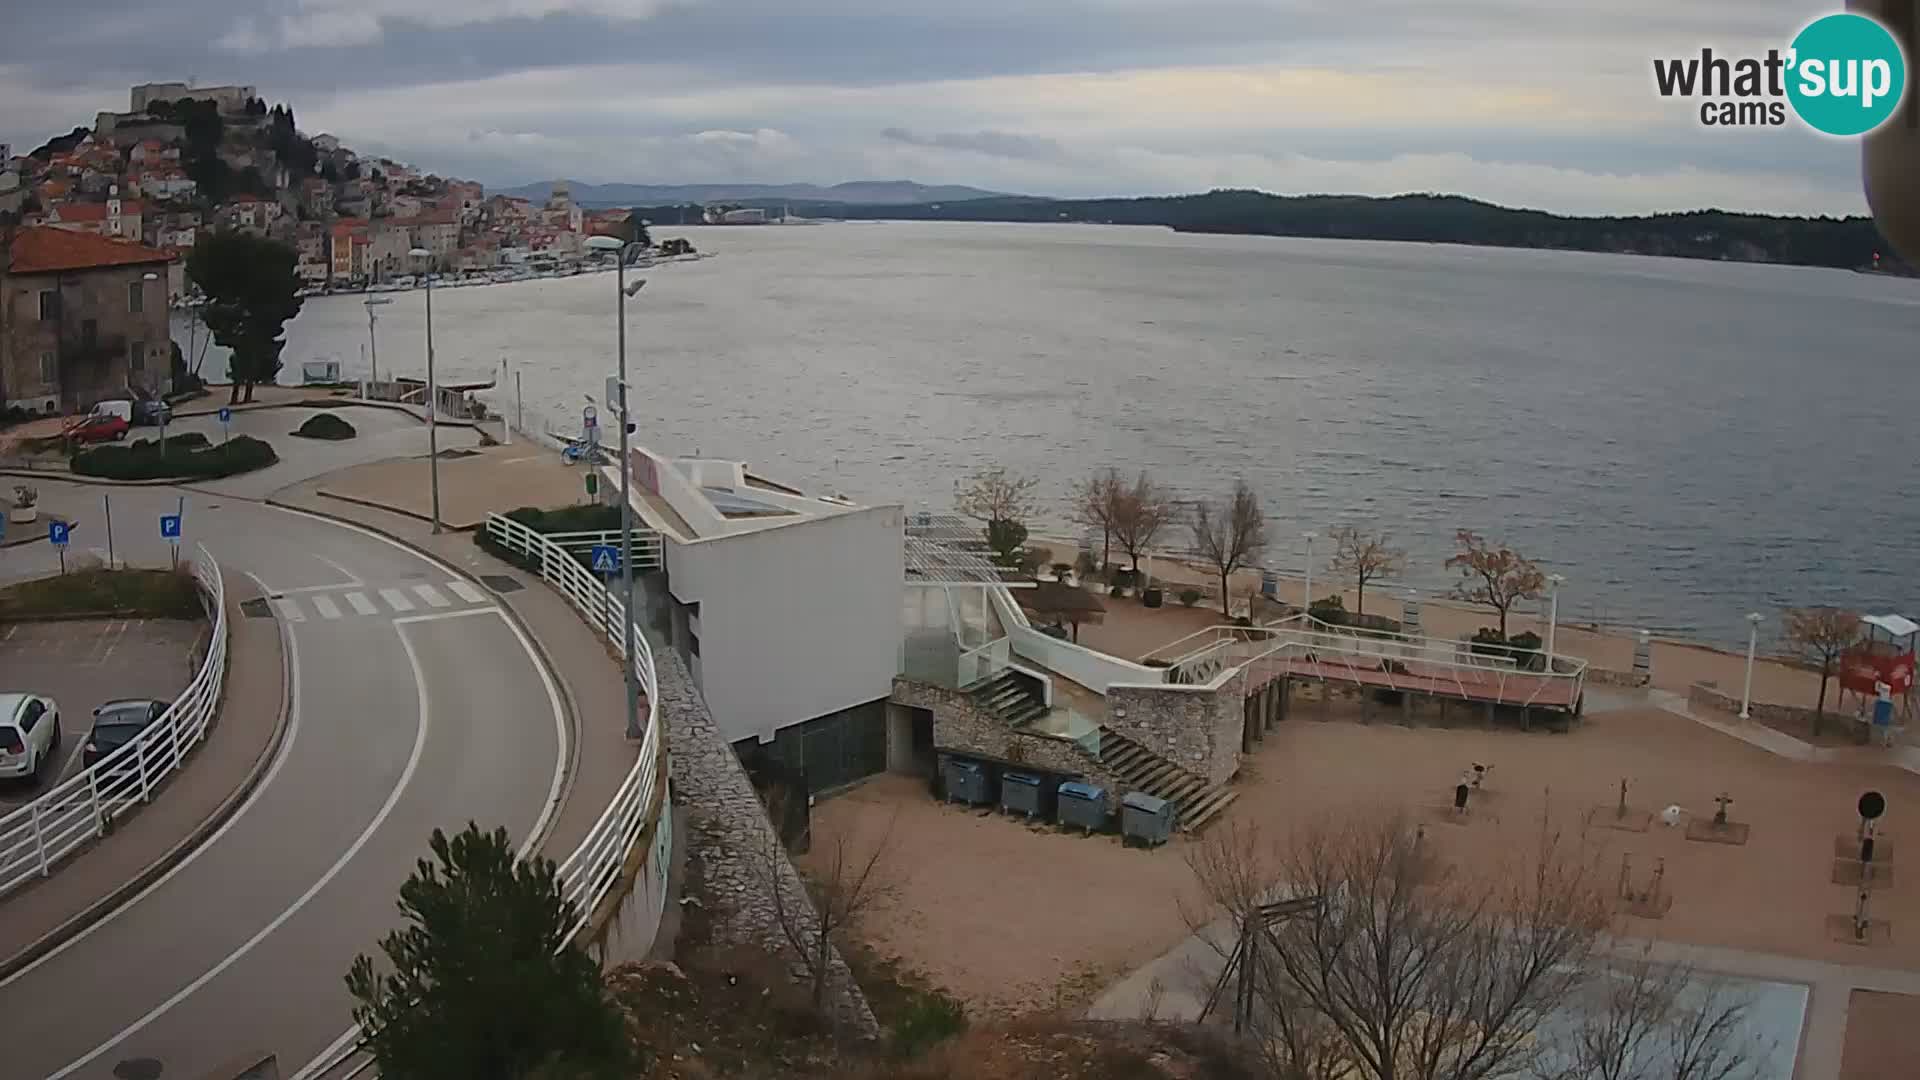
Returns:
(169, 526)
(57, 533)
(226, 414)
(606, 559)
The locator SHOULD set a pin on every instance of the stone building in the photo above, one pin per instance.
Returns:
(83, 318)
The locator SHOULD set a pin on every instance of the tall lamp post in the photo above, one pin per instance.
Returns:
(621, 293)
(1554, 581)
(425, 257)
(1306, 603)
(373, 347)
(1753, 640)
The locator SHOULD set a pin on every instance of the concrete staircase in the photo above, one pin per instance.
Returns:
(1013, 698)
(1143, 770)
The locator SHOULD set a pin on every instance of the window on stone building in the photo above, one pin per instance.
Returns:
(137, 356)
(49, 305)
(136, 297)
(49, 369)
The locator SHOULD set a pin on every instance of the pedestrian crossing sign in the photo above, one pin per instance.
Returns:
(606, 559)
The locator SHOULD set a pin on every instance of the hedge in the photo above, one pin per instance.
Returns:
(144, 461)
(191, 440)
(154, 594)
(325, 426)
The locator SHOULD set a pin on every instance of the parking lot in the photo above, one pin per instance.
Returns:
(82, 664)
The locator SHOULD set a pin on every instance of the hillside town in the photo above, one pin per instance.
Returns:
(183, 161)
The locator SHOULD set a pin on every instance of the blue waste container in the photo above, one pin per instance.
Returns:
(1083, 805)
(1021, 793)
(1145, 818)
(968, 782)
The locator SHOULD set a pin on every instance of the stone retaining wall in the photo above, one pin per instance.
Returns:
(1198, 730)
(727, 826)
(960, 723)
(1630, 679)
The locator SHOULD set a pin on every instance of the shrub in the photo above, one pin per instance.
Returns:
(1189, 597)
(928, 1019)
(1488, 642)
(1083, 566)
(325, 426)
(1116, 591)
(1331, 610)
(191, 440)
(144, 461)
(585, 517)
(155, 594)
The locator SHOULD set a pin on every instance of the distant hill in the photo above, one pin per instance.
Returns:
(1846, 243)
(868, 192)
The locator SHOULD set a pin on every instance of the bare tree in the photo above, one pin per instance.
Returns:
(1400, 970)
(1231, 538)
(1094, 502)
(1640, 1019)
(850, 881)
(1364, 556)
(1822, 635)
(1497, 577)
(995, 494)
(1140, 513)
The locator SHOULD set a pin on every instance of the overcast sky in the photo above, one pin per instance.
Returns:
(1539, 103)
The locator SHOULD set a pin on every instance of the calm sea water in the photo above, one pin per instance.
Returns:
(1684, 441)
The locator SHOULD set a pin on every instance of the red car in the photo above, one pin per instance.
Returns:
(99, 428)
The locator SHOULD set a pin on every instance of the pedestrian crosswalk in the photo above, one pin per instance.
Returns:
(327, 605)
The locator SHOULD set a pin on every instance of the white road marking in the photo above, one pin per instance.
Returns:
(439, 615)
(79, 747)
(234, 957)
(362, 605)
(289, 610)
(467, 592)
(396, 599)
(325, 606)
(335, 1050)
(344, 572)
(286, 751)
(432, 596)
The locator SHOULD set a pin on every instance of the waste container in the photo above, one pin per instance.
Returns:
(1145, 818)
(968, 782)
(1083, 805)
(1021, 793)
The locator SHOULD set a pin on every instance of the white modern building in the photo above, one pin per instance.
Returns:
(784, 605)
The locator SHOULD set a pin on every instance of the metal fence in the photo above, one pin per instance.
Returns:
(646, 545)
(34, 837)
(589, 874)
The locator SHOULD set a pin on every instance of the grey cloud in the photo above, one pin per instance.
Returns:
(992, 143)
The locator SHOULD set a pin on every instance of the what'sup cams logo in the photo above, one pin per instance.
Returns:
(1843, 75)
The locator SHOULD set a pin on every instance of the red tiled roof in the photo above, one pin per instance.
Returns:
(96, 211)
(47, 250)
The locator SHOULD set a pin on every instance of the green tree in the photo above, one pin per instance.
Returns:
(250, 285)
(484, 982)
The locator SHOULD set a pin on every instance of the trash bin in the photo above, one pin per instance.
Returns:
(1021, 793)
(1083, 805)
(968, 782)
(1145, 818)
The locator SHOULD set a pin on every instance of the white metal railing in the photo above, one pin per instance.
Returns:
(1397, 661)
(589, 874)
(646, 545)
(83, 807)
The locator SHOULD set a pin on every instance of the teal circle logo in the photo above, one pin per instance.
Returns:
(1846, 74)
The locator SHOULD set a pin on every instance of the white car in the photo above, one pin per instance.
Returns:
(29, 734)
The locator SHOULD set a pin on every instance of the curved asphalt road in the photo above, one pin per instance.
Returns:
(416, 705)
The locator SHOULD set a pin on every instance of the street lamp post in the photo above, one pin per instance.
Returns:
(1306, 602)
(1753, 640)
(1554, 581)
(373, 347)
(621, 293)
(433, 392)
(161, 412)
